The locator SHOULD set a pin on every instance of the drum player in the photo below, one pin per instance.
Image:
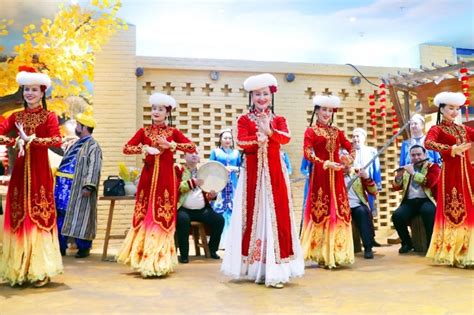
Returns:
(193, 205)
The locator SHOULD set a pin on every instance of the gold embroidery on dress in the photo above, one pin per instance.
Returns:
(316, 238)
(155, 133)
(133, 149)
(187, 147)
(166, 207)
(455, 208)
(17, 215)
(330, 134)
(310, 155)
(31, 120)
(41, 205)
(319, 205)
(340, 238)
(430, 144)
(48, 141)
(455, 130)
(344, 209)
(140, 207)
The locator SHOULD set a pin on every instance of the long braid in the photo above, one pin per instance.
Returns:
(316, 108)
(250, 101)
(438, 117)
(273, 103)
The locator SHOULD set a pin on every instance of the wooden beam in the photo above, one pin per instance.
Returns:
(430, 73)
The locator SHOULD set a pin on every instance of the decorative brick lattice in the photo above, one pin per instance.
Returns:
(204, 109)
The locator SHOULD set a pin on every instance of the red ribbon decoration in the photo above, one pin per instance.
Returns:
(465, 90)
(373, 116)
(383, 106)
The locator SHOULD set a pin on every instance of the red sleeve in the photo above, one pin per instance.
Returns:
(281, 134)
(369, 186)
(432, 142)
(470, 133)
(308, 147)
(346, 144)
(134, 145)
(432, 177)
(54, 139)
(244, 140)
(182, 142)
(6, 127)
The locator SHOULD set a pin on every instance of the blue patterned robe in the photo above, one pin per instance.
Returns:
(223, 202)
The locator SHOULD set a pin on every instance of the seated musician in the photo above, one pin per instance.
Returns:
(418, 180)
(193, 205)
(357, 194)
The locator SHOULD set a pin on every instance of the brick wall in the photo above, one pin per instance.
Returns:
(206, 106)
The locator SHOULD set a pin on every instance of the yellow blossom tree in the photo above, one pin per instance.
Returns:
(64, 47)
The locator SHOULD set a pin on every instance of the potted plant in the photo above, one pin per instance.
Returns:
(130, 177)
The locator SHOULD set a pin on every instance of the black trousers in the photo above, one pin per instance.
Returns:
(410, 208)
(363, 220)
(213, 220)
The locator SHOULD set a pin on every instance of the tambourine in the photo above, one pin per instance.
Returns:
(214, 175)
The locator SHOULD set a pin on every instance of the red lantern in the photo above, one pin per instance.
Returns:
(373, 115)
(465, 90)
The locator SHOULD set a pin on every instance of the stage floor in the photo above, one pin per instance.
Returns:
(388, 284)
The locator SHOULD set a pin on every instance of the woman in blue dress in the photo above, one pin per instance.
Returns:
(305, 169)
(230, 157)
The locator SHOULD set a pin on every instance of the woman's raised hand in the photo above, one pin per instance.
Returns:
(261, 138)
(163, 143)
(21, 131)
(459, 149)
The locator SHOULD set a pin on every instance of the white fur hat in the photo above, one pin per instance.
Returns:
(360, 131)
(449, 98)
(418, 117)
(162, 99)
(260, 81)
(329, 101)
(29, 76)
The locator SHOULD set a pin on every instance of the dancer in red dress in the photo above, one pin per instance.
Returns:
(327, 232)
(262, 244)
(452, 241)
(149, 246)
(30, 243)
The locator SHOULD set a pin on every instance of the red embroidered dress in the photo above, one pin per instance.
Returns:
(453, 234)
(263, 244)
(149, 246)
(30, 242)
(327, 232)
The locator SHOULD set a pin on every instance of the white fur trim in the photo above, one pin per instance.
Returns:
(361, 132)
(449, 98)
(260, 81)
(162, 99)
(326, 101)
(33, 78)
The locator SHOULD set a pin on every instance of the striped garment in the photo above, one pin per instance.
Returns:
(81, 215)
